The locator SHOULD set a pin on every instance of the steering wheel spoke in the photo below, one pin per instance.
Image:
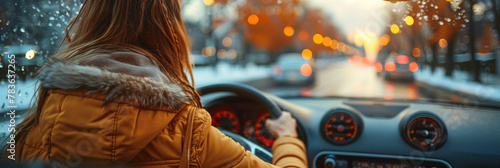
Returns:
(250, 146)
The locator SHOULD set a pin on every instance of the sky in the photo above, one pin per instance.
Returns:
(349, 15)
(352, 15)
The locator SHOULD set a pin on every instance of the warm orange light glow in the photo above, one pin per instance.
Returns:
(208, 2)
(253, 19)
(208, 51)
(231, 54)
(390, 66)
(355, 60)
(327, 41)
(303, 35)
(378, 67)
(358, 40)
(335, 44)
(288, 31)
(409, 20)
(306, 69)
(227, 41)
(318, 38)
(30, 54)
(221, 54)
(443, 43)
(307, 54)
(402, 59)
(413, 67)
(385, 39)
(416, 52)
(394, 29)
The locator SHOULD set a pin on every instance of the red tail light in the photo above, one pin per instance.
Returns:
(378, 67)
(306, 69)
(277, 69)
(402, 59)
(413, 67)
(390, 66)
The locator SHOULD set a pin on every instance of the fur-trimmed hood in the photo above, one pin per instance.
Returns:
(123, 76)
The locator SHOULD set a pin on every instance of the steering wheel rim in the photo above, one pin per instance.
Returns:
(244, 91)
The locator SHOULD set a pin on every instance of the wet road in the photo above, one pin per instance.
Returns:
(357, 81)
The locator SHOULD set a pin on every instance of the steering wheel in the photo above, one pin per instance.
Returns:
(251, 94)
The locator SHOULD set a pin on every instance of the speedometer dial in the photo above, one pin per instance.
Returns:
(341, 127)
(226, 120)
(261, 133)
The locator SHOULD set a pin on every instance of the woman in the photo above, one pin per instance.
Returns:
(116, 93)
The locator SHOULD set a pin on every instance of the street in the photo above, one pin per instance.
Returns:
(356, 81)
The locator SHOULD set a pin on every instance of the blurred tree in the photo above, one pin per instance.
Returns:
(444, 20)
(312, 22)
(262, 24)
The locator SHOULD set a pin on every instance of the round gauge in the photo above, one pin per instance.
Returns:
(424, 131)
(261, 133)
(341, 127)
(226, 120)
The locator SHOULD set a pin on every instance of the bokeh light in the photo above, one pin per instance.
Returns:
(378, 67)
(327, 41)
(231, 54)
(443, 43)
(335, 44)
(288, 31)
(385, 39)
(303, 35)
(221, 54)
(413, 67)
(30, 54)
(416, 52)
(208, 51)
(358, 40)
(307, 54)
(208, 2)
(227, 42)
(394, 29)
(409, 20)
(253, 19)
(390, 66)
(318, 38)
(306, 69)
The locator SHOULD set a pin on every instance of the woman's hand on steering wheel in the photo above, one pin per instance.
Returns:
(283, 126)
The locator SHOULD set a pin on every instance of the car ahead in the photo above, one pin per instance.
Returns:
(27, 62)
(397, 67)
(292, 68)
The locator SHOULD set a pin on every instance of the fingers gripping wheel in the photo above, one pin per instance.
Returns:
(244, 91)
(251, 94)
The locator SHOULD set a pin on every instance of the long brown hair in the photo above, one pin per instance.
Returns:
(153, 28)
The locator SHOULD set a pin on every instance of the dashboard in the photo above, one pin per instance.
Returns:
(242, 117)
(342, 133)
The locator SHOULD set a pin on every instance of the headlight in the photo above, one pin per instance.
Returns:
(30, 54)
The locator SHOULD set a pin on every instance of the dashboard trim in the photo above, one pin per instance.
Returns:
(376, 156)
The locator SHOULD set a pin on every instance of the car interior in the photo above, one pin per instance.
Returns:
(372, 83)
(341, 132)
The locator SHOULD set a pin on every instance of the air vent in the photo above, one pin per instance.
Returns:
(341, 126)
(423, 131)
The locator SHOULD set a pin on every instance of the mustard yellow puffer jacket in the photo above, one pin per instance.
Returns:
(120, 110)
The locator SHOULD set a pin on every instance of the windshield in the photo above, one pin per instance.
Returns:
(410, 50)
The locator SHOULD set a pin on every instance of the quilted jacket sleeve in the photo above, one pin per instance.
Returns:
(218, 150)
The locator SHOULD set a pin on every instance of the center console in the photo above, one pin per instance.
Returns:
(357, 160)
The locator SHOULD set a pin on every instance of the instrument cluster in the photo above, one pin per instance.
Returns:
(245, 118)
